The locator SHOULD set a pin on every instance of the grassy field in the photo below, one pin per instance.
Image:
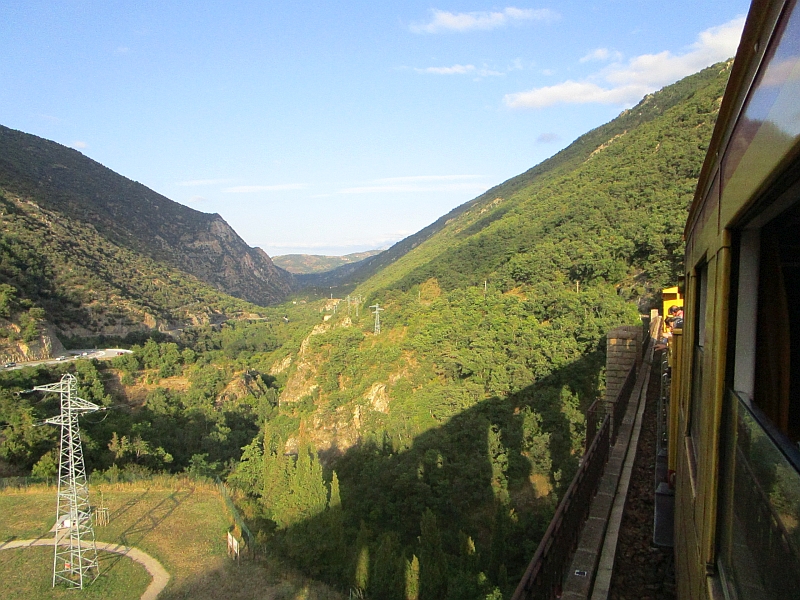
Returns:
(27, 573)
(179, 522)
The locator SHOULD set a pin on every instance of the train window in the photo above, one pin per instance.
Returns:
(777, 365)
(700, 302)
(759, 510)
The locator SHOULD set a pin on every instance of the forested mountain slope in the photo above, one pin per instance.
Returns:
(609, 207)
(134, 217)
(466, 409)
(650, 108)
(56, 269)
(422, 459)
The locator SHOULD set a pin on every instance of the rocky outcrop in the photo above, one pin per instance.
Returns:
(46, 346)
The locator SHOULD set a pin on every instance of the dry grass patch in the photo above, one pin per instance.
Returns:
(180, 522)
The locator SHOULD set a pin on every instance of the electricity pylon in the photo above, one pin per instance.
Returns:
(377, 312)
(75, 553)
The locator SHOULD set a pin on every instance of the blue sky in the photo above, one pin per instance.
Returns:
(330, 128)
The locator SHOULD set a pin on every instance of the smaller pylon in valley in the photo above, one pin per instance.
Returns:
(75, 552)
(377, 312)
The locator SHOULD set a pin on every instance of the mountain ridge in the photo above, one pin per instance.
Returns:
(133, 216)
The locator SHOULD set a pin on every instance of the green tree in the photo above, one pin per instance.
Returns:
(412, 578)
(362, 563)
(8, 300)
(498, 457)
(432, 559)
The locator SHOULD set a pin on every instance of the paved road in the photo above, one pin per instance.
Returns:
(105, 354)
(157, 572)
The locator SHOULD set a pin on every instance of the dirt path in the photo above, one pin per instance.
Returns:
(157, 572)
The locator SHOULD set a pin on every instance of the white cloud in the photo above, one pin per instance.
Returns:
(446, 21)
(601, 55)
(79, 145)
(249, 189)
(626, 84)
(461, 70)
(199, 182)
(454, 70)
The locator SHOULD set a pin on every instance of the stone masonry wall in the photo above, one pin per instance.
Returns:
(623, 348)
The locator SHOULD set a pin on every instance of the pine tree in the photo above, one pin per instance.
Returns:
(308, 493)
(335, 502)
(386, 582)
(432, 560)
(361, 571)
(498, 458)
(412, 578)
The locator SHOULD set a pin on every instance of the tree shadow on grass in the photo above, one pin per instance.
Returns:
(133, 535)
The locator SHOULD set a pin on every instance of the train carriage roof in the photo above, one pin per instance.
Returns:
(758, 31)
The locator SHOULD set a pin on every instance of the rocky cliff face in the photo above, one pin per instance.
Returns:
(133, 216)
(46, 346)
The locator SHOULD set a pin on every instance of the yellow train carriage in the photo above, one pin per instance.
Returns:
(670, 297)
(735, 406)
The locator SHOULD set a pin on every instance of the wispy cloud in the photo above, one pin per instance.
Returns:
(442, 20)
(419, 184)
(601, 55)
(79, 145)
(460, 70)
(454, 70)
(418, 178)
(196, 199)
(626, 84)
(121, 50)
(199, 182)
(249, 189)
(548, 138)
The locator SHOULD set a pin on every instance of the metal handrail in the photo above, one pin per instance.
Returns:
(545, 573)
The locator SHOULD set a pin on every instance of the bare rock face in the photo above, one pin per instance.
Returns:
(46, 346)
(133, 216)
(217, 255)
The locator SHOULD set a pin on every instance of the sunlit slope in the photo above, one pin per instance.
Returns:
(516, 293)
(609, 207)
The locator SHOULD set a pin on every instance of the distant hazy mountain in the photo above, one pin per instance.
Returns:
(132, 216)
(316, 263)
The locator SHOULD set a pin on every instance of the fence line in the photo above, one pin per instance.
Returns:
(246, 534)
(543, 577)
(26, 482)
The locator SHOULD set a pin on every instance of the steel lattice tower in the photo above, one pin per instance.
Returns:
(75, 552)
(377, 311)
